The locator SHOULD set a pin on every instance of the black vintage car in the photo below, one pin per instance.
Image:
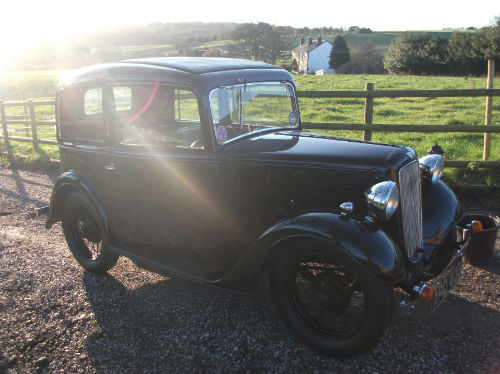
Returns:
(199, 168)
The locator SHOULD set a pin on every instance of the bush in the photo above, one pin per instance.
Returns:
(417, 53)
(462, 54)
(369, 59)
(348, 68)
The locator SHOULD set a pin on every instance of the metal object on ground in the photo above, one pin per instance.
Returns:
(481, 243)
(41, 211)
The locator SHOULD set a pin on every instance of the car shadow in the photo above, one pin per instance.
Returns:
(492, 265)
(172, 325)
(177, 325)
(22, 190)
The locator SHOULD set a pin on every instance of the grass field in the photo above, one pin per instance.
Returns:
(446, 111)
(41, 85)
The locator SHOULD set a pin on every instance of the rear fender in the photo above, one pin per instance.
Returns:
(65, 184)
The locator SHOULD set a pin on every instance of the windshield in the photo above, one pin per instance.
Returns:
(244, 108)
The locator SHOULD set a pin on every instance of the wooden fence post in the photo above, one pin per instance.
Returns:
(34, 133)
(25, 106)
(367, 135)
(4, 125)
(489, 104)
(5, 132)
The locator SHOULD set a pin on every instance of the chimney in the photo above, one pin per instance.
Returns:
(310, 41)
(302, 41)
(320, 39)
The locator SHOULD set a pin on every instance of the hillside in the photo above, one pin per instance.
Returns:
(176, 39)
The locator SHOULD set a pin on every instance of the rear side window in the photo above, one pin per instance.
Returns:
(157, 115)
(93, 102)
(186, 106)
(81, 115)
(123, 98)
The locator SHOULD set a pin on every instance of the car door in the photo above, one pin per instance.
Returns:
(83, 133)
(165, 191)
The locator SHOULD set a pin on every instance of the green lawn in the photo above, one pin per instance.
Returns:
(445, 111)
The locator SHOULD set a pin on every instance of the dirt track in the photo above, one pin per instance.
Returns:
(55, 317)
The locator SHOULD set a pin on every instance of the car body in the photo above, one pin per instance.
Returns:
(198, 167)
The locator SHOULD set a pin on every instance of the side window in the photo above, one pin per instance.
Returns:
(81, 115)
(93, 102)
(156, 115)
(123, 98)
(186, 106)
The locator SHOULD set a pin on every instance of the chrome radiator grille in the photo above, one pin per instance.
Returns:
(409, 186)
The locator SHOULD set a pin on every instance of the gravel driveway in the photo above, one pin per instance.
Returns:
(55, 317)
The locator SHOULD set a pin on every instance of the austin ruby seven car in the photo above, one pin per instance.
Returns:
(199, 168)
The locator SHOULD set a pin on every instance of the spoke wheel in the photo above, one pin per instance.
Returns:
(327, 296)
(330, 301)
(84, 234)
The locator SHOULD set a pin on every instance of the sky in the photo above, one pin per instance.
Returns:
(28, 22)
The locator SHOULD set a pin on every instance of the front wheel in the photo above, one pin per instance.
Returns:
(329, 300)
(84, 232)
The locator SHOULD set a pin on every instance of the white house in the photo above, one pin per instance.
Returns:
(312, 57)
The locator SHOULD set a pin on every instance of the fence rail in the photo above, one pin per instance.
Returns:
(399, 93)
(368, 126)
(29, 118)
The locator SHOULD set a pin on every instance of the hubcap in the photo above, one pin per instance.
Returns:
(87, 236)
(331, 293)
(326, 296)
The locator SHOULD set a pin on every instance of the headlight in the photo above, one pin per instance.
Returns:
(434, 165)
(383, 199)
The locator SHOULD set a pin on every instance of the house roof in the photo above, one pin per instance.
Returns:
(309, 47)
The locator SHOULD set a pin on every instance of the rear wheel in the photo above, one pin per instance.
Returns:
(84, 232)
(330, 301)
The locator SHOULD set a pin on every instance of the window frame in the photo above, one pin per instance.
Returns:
(114, 97)
(212, 126)
(163, 148)
(101, 106)
(102, 121)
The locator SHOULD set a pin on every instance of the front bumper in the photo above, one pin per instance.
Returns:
(442, 284)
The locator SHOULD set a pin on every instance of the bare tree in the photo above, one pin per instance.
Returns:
(261, 41)
(276, 42)
(252, 39)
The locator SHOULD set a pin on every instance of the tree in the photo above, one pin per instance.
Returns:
(365, 30)
(340, 53)
(416, 53)
(365, 55)
(275, 43)
(261, 41)
(353, 29)
(465, 55)
(252, 37)
(491, 35)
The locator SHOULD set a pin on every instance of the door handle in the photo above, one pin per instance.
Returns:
(222, 170)
(111, 166)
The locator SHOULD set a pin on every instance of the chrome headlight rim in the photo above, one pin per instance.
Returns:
(434, 165)
(383, 199)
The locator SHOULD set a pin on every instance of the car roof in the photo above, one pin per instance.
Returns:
(202, 65)
(206, 72)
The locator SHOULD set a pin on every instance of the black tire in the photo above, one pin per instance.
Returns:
(329, 301)
(84, 232)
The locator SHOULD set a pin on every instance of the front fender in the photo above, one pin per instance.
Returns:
(371, 248)
(440, 211)
(66, 183)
